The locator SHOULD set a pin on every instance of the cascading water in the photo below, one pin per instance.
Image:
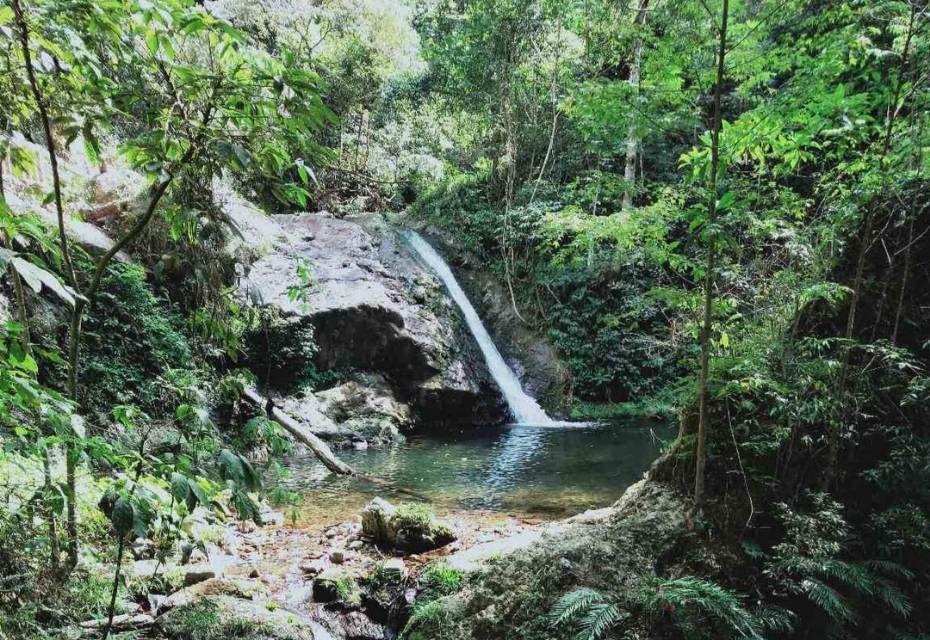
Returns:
(525, 410)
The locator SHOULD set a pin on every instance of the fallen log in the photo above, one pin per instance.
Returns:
(124, 622)
(319, 448)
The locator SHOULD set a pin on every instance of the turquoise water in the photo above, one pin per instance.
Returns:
(541, 471)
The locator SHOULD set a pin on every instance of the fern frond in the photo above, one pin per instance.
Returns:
(850, 574)
(774, 618)
(599, 620)
(828, 599)
(890, 569)
(893, 597)
(574, 604)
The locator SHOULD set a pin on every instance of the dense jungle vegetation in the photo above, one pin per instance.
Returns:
(716, 210)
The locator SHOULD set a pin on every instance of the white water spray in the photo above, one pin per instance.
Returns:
(525, 410)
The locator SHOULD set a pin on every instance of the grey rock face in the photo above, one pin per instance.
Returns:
(374, 309)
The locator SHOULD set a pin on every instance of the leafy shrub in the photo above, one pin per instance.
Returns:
(131, 339)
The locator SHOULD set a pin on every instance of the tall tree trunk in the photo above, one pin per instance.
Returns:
(39, 98)
(632, 139)
(700, 459)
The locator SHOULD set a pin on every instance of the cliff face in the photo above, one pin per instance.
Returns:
(376, 316)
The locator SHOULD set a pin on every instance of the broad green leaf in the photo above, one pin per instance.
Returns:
(37, 277)
(123, 516)
(152, 42)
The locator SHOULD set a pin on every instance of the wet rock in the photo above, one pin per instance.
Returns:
(311, 567)
(326, 586)
(142, 549)
(358, 626)
(376, 520)
(393, 570)
(370, 410)
(157, 603)
(199, 572)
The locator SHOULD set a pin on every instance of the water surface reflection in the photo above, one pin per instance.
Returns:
(548, 471)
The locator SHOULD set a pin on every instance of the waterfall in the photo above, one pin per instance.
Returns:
(525, 410)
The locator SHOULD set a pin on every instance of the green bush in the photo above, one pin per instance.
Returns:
(131, 338)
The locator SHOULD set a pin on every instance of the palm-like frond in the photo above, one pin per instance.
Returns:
(574, 604)
(599, 620)
(828, 599)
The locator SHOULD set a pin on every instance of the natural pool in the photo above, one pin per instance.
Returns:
(546, 472)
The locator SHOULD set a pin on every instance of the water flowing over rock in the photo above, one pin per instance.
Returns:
(524, 408)
(372, 308)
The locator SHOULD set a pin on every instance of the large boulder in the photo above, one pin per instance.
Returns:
(373, 307)
(409, 527)
(371, 411)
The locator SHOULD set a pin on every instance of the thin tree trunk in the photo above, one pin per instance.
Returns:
(555, 115)
(833, 437)
(700, 460)
(115, 590)
(904, 276)
(632, 140)
(121, 548)
(70, 454)
(26, 340)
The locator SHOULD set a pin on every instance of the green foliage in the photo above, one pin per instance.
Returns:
(808, 563)
(698, 606)
(428, 615)
(132, 340)
(589, 611)
(439, 579)
(348, 590)
(261, 433)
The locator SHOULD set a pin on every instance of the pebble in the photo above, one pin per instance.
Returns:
(356, 544)
(337, 556)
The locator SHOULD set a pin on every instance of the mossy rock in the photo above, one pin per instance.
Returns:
(513, 595)
(408, 527)
(222, 617)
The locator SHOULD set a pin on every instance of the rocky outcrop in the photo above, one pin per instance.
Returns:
(379, 318)
(367, 408)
